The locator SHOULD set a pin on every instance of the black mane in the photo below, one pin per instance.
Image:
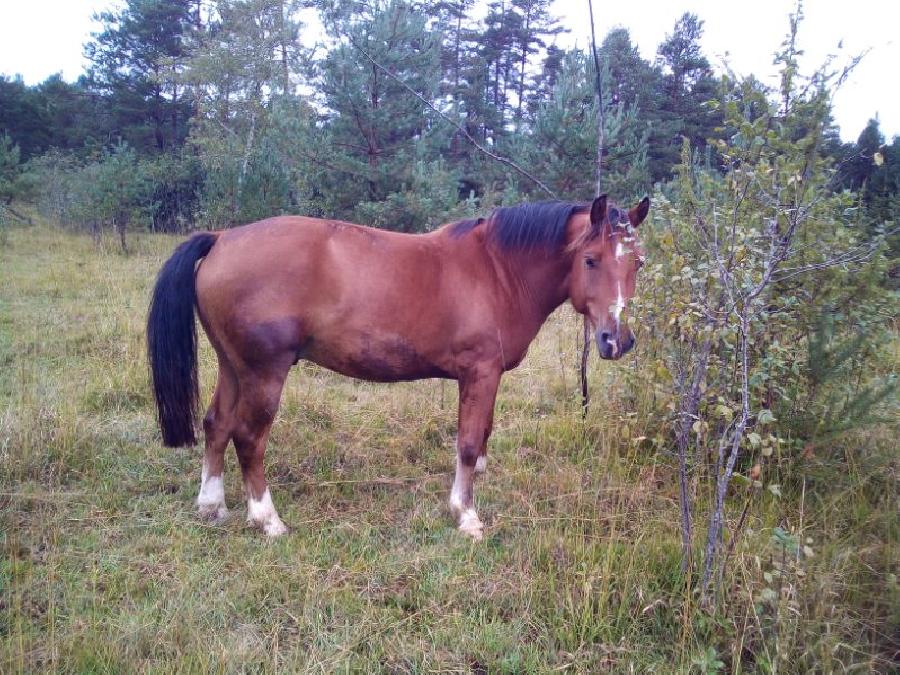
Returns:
(525, 226)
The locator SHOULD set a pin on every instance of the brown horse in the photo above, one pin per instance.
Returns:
(463, 302)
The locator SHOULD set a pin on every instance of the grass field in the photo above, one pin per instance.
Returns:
(106, 568)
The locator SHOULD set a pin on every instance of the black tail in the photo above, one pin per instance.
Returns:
(172, 341)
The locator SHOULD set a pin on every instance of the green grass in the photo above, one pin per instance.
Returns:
(106, 568)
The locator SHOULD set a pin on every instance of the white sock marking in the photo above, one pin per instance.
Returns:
(469, 522)
(481, 464)
(211, 500)
(456, 492)
(262, 512)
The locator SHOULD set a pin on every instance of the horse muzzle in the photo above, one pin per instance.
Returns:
(614, 346)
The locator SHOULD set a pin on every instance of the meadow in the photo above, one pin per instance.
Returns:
(106, 568)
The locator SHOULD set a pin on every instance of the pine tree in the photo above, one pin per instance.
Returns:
(689, 85)
(536, 23)
(563, 144)
(129, 66)
(375, 122)
(239, 64)
(453, 22)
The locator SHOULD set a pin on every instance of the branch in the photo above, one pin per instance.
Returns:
(600, 138)
(11, 211)
(853, 255)
(459, 127)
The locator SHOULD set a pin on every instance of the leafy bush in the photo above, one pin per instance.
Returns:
(750, 255)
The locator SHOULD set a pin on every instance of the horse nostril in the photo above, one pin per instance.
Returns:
(604, 337)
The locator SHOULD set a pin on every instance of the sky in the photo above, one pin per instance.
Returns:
(41, 37)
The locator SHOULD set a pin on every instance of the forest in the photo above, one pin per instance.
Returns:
(725, 502)
(216, 114)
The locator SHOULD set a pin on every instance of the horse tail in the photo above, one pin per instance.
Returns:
(172, 341)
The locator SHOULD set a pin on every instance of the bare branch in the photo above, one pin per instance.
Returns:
(600, 139)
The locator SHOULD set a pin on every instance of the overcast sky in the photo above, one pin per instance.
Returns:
(42, 37)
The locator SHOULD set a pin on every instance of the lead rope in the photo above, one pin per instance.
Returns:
(585, 353)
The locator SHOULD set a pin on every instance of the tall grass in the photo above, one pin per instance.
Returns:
(106, 568)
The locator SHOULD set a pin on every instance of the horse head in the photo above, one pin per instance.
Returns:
(606, 257)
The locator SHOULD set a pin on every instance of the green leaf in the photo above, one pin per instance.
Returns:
(765, 417)
(784, 539)
(742, 480)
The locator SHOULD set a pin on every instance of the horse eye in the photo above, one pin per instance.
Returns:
(590, 262)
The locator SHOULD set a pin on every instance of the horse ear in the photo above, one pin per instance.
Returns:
(637, 214)
(598, 215)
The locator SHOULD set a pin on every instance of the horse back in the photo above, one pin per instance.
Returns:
(367, 303)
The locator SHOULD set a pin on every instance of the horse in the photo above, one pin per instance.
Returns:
(462, 302)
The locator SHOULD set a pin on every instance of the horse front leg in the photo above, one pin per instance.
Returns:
(481, 463)
(477, 392)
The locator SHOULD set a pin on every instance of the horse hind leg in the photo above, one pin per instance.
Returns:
(217, 426)
(255, 412)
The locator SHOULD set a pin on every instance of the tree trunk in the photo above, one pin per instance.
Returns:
(158, 114)
(526, 40)
(456, 64)
(120, 223)
(285, 70)
(372, 140)
(174, 109)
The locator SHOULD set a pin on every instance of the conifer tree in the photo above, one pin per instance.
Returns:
(129, 66)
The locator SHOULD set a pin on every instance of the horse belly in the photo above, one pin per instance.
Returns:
(377, 358)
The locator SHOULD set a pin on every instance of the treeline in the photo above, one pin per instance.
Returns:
(218, 112)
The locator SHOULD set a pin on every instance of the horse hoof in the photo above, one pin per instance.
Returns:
(213, 513)
(471, 526)
(272, 527)
(275, 528)
(481, 464)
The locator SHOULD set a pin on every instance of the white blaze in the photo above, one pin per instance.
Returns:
(620, 250)
(620, 303)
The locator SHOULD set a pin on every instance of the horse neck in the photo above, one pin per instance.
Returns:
(537, 280)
